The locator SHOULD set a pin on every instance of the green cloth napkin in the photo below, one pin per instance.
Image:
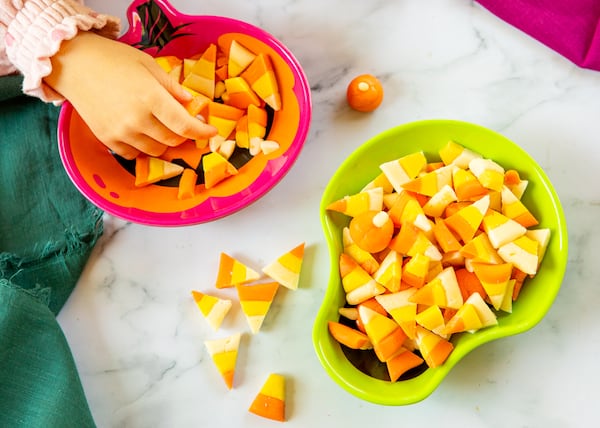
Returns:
(47, 232)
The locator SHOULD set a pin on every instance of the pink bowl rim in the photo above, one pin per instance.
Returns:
(233, 203)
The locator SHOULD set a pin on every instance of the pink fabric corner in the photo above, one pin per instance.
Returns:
(570, 27)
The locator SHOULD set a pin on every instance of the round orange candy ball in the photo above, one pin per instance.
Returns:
(372, 230)
(364, 93)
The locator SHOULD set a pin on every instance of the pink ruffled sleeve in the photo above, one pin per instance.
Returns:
(31, 32)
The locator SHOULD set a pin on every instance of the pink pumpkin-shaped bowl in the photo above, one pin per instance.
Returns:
(108, 181)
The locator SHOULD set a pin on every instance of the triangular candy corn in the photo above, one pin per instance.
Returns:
(270, 401)
(434, 349)
(501, 229)
(488, 172)
(358, 284)
(358, 203)
(467, 220)
(201, 77)
(239, 58)
(261, 77)
(256, 300)
(513, 208)
(494, 279)
(213, 308)
(455, 154)
(384, 333)
(404, 169)
(224, 354)
(150, 170)
(522, 253)
(430, 183)
(216, 169)
(286, 269)
(402, 310)
(232, 272)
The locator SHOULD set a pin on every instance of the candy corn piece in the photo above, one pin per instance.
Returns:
(150, 170)
(472, 316)
(467, 220)
(466, 185)
(432, 319)
(515, 183)
(435, 206)
(380, 181)
(270, 401)
(444, 237)
(384, 333)
(430, 183)
(239, 94)
(389, 272)
(286, 269)
(242, 138)
(406, 209)
(501, 229)
(261, 77)
(402, 309)
(494, 279)
(403, 361)
(224, 354)
(198, 105)
(410, 241)
(213, 308)
(513, 208)
(348, 336)
(404, 169)
(223, 117)
(442, 291)
(358, 203)
(232, 272)
(434, 349)
(455, 154)
(522, 253)
(480, 249)
(542, 236)
(256, 300)
(364, 258)
(257, 122)
(488, 172)
(216, 169)
(415, 270)
(357, 283)
(187, 184)
(201, 77)
(168, 62)
(239, 58)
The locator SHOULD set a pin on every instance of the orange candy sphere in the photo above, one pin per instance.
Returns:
(372, 230)
(364, 93)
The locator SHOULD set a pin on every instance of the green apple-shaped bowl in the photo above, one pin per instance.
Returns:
(356, 371)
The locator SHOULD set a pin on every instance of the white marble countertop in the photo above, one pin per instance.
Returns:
(137, 336)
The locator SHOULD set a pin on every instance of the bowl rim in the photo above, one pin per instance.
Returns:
(408, 392)
(232, 203)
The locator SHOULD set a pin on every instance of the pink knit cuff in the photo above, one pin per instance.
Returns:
(37, 32)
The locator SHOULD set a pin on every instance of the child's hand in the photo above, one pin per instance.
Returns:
(126, 99)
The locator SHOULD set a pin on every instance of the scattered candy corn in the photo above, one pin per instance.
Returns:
(213, 308)
(232, 272)
(224, 354)
(270, 401)
(286, 269)
(256, 300)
